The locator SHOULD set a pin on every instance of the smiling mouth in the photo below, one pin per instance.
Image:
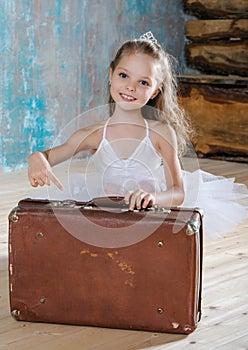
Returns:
(127, 98)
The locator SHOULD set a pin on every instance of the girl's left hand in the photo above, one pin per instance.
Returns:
(139, 199)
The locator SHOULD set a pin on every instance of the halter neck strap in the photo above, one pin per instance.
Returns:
(105, 128)
(147, 127)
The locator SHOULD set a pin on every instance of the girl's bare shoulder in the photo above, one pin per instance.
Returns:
(90, 130)
(89, 137)
(160, 129)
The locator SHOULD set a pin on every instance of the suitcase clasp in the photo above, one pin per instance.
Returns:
(156, 208)
(67, 203)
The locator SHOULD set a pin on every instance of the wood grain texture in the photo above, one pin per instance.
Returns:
(217, 9)
(218, 57)
(233, 81)
(205, 30)
(219, 116)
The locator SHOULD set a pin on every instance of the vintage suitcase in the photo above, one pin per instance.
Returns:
(98, 264)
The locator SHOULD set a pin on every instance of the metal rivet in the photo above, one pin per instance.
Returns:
(187, 328)
(40, 235)
(160, 244)
(15, 313)
(13, 217)
(42, 300)
(160, 310)
(175, 325)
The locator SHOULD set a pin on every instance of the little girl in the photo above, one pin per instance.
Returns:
(136, 150)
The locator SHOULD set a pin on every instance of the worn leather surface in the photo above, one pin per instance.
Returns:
(153, 284)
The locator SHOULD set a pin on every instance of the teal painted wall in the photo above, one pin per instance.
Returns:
(54, 58)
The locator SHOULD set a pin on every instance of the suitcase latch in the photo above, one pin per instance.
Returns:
(156, 208)
(67, 203)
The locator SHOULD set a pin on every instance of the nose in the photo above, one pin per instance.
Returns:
(130, 86)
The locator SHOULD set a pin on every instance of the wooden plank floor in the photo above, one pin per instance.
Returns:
(224, 323)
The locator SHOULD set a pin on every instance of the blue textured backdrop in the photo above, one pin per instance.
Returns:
(54, 58)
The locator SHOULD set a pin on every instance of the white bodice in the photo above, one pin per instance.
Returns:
(142, 169)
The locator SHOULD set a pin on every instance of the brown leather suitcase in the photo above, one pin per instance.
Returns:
(98, 264)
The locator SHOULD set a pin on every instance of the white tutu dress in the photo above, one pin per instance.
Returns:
(219, 197)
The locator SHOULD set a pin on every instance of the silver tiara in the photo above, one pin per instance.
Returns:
(148, 37)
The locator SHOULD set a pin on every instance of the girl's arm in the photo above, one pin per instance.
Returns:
(174, 195)
(40, 163)
(165, 139)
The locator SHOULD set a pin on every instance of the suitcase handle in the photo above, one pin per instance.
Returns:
(118, 202)
(113, 201)
(110, 202)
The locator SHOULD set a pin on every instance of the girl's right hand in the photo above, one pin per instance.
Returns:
(40, 172)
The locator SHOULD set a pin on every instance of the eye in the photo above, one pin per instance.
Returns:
(144, 83)
(123, 75)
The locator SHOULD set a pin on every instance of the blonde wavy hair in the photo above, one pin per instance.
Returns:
(165, 105)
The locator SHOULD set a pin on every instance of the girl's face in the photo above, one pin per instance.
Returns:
(134, 81)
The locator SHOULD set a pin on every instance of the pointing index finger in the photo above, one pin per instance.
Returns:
(56, 181)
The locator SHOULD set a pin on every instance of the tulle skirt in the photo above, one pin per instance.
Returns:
(224, 202)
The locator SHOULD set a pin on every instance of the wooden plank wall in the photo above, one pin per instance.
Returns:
(218, 109)
(216, 98)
